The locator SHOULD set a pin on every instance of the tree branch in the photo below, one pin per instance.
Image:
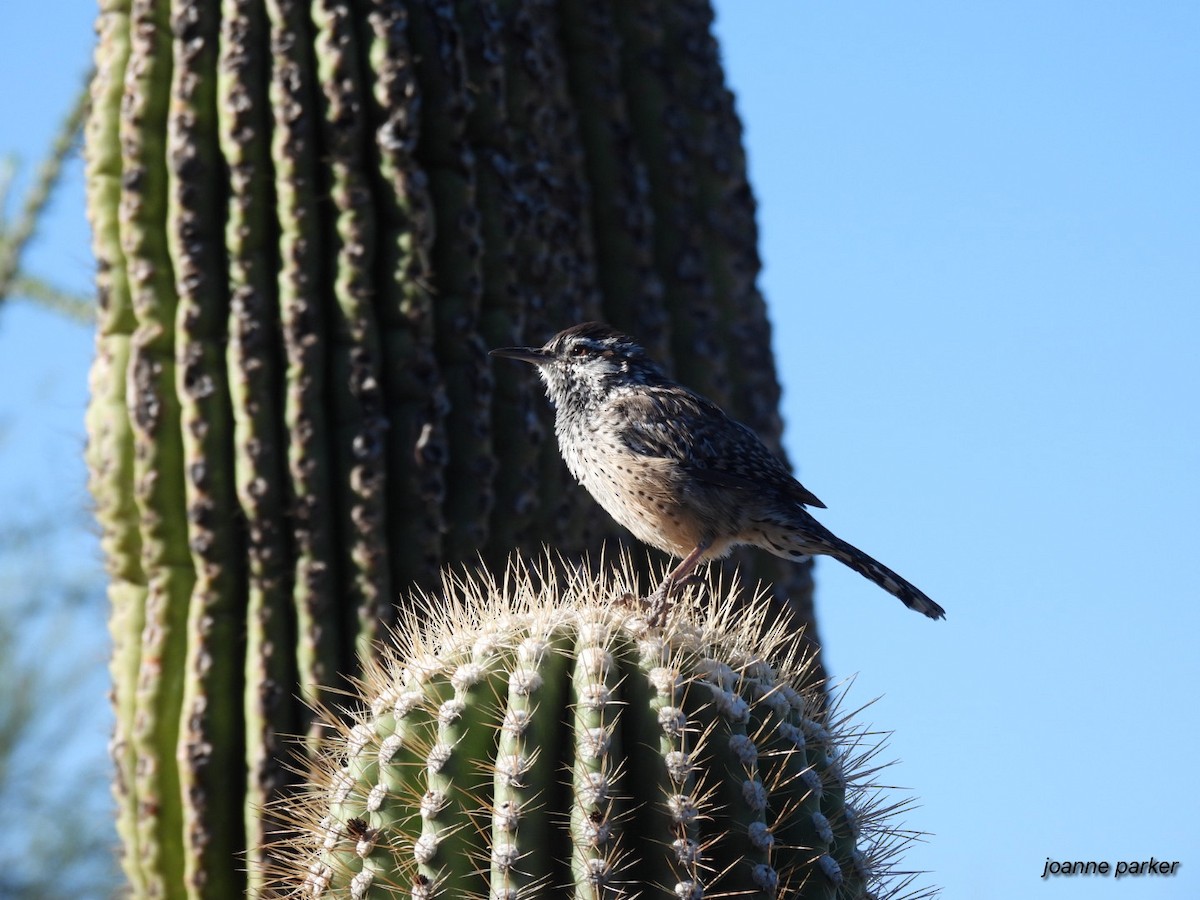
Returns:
(14, 239)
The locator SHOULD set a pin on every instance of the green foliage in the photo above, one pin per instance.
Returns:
(16, 234)
(52, 764)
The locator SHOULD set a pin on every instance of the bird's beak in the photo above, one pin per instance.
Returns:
(535, 355)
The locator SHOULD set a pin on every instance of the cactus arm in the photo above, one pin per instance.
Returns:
(349, 801)
(556, 745)
(377, 796)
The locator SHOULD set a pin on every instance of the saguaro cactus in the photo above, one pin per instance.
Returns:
(311, 220)
(536, 738)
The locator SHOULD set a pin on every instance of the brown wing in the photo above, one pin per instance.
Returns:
(673, 423)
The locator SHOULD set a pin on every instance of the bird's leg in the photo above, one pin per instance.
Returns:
(659, 602)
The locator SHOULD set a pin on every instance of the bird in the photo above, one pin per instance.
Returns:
(674, 469)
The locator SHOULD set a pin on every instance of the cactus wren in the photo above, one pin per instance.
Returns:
(676, 471)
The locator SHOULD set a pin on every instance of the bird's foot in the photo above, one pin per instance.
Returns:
(658, 604)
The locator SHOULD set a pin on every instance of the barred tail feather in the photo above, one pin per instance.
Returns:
(909, 594)
(799, 540)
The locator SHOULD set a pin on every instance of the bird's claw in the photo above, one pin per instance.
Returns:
(658, 604)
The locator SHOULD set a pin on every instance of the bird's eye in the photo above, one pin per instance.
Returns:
(579, 350)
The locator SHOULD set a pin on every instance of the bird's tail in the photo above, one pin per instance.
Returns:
(864, 565)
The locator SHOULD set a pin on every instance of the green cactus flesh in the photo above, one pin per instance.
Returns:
(538, 738)
(311, 221)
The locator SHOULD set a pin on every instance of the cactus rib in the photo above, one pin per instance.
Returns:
(355, 359)
(110, 438)
(303, 313)
(448, 160)
(158, 452)
(211, 714)
(417, 442)
(255, 390)
(621, 215)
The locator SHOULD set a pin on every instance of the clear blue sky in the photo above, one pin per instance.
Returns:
(981, 230)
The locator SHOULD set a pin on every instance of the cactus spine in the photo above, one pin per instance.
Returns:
(310, 221)
(555, 745)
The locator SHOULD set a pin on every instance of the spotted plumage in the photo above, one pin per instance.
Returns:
(674, 469)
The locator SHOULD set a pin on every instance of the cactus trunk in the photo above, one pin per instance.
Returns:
(311, 221)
